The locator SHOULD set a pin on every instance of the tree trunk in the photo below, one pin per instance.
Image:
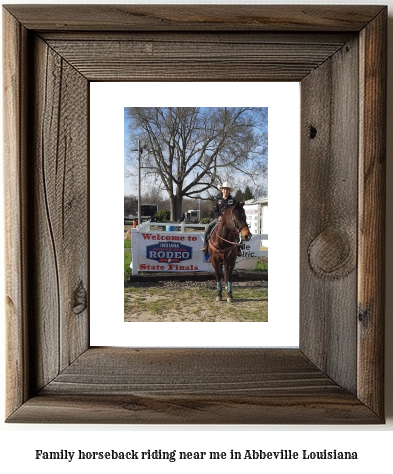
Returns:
(176, 206)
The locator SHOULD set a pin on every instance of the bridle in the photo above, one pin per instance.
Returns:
(235, 223)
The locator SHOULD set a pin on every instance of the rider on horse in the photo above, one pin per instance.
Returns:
(221, 206)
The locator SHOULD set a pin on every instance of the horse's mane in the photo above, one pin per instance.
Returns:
(227, 213)
(236, 206)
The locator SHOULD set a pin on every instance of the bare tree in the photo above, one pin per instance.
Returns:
(192, 150)
(153, 195)
(130, 205)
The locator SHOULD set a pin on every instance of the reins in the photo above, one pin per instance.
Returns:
(221, 252)
(225, 240)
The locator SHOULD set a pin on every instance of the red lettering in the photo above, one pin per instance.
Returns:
(181, 268)
(144, 266)
(175, 238)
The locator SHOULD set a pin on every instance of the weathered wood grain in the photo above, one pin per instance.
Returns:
(207, 371)
(60, 219)
(202, 37)
(15, 197)
(336, 375)
(194, 17)
(371, 234)
(238, 409)
(156, 60)
(193, 386)
(329, 200)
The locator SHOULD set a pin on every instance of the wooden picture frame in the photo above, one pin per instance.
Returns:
(338, 54)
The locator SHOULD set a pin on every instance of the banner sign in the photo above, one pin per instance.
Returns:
(168, 252)
(180, 252)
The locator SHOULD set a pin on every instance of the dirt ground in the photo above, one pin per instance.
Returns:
(174, 301)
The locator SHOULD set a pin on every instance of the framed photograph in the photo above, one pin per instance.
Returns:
(107, 295)
(337, 54)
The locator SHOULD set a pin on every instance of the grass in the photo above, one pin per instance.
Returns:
(127, 262)
(261, 264)
(127, 259)
(198, 301)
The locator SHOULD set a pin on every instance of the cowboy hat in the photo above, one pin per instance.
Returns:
(227, 185)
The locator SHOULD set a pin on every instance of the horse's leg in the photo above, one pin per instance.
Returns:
(228, 280)
(218, 275)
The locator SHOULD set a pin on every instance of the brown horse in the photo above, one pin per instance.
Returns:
(223, 245)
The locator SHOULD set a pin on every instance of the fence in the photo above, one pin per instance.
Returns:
(171, 250)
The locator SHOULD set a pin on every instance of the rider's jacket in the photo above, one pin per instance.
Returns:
(223, 204)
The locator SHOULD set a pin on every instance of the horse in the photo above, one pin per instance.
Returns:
(223, 245)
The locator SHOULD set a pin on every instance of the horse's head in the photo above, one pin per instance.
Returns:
(239, 220)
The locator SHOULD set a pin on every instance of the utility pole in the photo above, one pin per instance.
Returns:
(141, 146)
(139, 181)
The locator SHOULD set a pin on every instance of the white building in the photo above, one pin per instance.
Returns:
(257, 216)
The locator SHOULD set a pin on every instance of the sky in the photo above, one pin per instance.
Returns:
(131, 183)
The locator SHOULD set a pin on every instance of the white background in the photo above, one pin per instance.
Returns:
(106, 256)
(373, 443)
